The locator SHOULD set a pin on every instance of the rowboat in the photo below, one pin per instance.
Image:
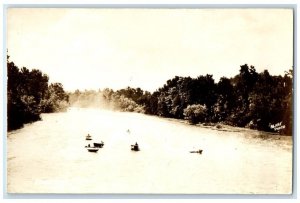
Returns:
(88, 137)
(92, 149)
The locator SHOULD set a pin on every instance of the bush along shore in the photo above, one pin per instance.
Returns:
(249, 99)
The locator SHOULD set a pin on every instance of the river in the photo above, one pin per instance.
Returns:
(49, 156)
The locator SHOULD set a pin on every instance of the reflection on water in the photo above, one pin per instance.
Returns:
(49, 157)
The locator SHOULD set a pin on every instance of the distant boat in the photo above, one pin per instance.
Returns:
(88, 137)
(198, 151)
(99, 145)
(135, 147)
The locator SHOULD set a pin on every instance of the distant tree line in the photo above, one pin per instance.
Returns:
(29, 95)
(128, 99)
(250, 99)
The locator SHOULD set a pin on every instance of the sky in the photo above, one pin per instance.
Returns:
(116, 48)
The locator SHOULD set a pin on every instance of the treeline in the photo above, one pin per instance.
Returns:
(29, 95)
(250, 99)
(129, 99)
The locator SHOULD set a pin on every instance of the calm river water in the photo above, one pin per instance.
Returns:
(49, 156)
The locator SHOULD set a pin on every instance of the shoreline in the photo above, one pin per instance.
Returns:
(219, 126)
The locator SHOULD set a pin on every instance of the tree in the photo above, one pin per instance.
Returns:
(288, 102)
(55, 99)
(151, 104)
(27, 95)
(25, 90)
(243, 85)
(225, 100)
(264, 103)
(195, 113)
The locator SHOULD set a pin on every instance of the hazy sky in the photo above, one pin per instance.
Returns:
(97, 48)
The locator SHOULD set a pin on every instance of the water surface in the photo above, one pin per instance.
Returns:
(49, 156)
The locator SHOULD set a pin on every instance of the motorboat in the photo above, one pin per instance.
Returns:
(99, 145)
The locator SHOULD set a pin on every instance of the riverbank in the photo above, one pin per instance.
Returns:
(228, 128)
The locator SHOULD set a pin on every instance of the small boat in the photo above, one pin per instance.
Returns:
(99, 145)
(88, 137)
(198, 151)
(135, 147)
(92, 149)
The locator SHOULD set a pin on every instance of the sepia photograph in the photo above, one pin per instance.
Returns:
(149, 100)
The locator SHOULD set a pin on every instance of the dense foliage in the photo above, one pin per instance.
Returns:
(29, 95)
(250, 99)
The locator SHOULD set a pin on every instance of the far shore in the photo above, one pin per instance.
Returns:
(219, 126)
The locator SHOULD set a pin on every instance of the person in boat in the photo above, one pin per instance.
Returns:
(136, 146)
